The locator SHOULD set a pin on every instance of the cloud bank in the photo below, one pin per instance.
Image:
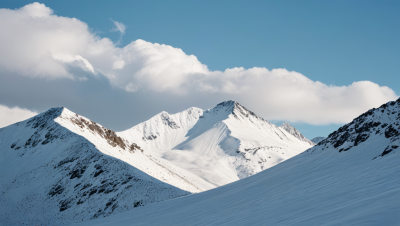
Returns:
(10, 116)
(39, 44)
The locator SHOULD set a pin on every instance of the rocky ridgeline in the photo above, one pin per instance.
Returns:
(377, 122)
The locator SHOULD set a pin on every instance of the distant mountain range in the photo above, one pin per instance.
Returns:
(349, 178)
(316, 140)
(59, 167)
(220, 145)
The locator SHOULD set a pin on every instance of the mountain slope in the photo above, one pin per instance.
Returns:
(220, 145)
(59, 167)
(350, 178)
(290, 129)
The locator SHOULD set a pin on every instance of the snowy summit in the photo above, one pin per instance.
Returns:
(220, 145)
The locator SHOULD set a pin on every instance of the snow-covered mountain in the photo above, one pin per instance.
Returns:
(290, 129)
(316, 140)
(220, 145)
(350, 178)
(59, 167)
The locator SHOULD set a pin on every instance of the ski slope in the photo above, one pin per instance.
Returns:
(220, 145)
(350, 178)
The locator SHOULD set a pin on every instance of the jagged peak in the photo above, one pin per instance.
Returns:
(227, 103)
(286, 124)
(290, 129)
(229, 106)
(71, 121)
(193, 109)
(43, 118)
(235, 109)
(189, 110)
(293, 131)
(53, 113)
(163, 113)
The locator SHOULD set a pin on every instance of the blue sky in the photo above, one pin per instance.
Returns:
(334, 42)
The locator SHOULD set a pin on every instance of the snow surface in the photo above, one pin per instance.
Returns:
(59, 168)
(350, 178)
(220, 145)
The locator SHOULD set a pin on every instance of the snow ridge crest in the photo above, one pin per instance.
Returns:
(235, 109)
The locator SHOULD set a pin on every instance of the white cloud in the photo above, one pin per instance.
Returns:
(119, 64)
(10, 116)
(119, 27)
(78, 60)
(37, 43)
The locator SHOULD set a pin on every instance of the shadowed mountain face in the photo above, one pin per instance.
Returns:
(350, 178)
(220, 145)
(59, 167)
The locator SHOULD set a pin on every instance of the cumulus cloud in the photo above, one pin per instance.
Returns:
(37, 43)
(10, 116)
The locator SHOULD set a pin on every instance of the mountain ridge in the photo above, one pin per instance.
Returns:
(83, 170)
(214, 136)
(59, 167)
(350, 178)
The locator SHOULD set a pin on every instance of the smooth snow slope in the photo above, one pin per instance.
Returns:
(350, 178)
(220, 145)
(59, 167)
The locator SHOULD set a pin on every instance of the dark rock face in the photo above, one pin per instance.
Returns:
(107, 134)
(134, 147)
(381, 122)
(391, 132)
(167, 120)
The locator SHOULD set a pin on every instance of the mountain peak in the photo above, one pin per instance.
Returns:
(234, 108)
(293, 131)
(286, 125)
(230, 104)
(226, 103)
(42, 118)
